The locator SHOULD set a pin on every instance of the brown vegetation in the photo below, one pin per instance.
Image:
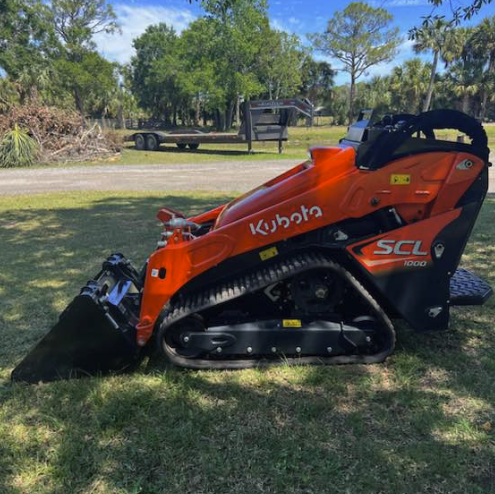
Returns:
(61, 135)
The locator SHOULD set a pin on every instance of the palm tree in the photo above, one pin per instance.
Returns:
(431, 38)
(378, 94)
(464, 79)
(408, 84)
(483, 43)
(33, 79)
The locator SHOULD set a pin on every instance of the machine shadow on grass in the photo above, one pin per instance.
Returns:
(418, 423)
(48, 254)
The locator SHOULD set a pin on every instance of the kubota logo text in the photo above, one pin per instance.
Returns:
(266, 227)
(400, 248)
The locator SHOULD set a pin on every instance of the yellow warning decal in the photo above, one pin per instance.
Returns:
(292, 323)
(400, 179)
(268, 253)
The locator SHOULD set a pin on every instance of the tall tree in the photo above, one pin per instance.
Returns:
(280, 63)
(238, 27)
(432, 38)
(24, 32)
(80, 67)
(199, 79)
(89, 80)
(317, 80)
(77, 21)
(459, 14)
(463, 80)
(360, 36)
(155, 69)
(483, 42)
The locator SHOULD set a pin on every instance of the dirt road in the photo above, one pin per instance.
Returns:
(224, 176)
(231, 176)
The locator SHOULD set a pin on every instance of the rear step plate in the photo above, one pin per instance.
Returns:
(467, 289)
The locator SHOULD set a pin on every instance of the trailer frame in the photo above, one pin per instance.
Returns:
(264, 121)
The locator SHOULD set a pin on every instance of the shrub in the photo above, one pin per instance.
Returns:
(17, 149)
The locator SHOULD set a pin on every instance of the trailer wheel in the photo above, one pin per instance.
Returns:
(152, 142)
(181, 145)
(193, 147)
(140, 142)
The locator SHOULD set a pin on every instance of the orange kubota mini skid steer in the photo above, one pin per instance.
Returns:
(308, 268)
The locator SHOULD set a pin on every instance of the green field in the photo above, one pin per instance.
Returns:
(423, 422)
(300, 140)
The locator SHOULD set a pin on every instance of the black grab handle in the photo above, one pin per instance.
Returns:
(377, 152)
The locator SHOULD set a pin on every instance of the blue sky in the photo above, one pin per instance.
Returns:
(296, 16)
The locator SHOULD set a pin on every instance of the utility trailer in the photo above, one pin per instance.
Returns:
(263, 121)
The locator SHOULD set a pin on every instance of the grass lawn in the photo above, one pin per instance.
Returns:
(422, 422)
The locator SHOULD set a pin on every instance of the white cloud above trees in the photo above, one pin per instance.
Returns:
(133, 20)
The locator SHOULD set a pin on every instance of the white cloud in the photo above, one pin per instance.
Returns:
(133, 21)
(278, 25)
(291, 25)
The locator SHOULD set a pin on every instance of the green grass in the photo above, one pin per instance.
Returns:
(422, 422)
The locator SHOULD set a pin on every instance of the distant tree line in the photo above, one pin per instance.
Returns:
(231, 54)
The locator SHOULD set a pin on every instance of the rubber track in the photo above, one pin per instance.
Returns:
(257, 280)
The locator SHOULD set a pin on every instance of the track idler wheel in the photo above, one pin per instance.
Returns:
(176, 340)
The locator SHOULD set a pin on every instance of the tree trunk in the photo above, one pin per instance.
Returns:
(197, 111)
(33, 94)
(229, 114)
(484, 98)
(220, 120)
(431, 84)
(352, 97)
(79, 102)
(174, 122)
(238, 111)
(120, 117)
(465, 103)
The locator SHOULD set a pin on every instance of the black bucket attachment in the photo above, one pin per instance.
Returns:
(96, 332)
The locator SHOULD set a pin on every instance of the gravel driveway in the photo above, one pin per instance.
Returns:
(226, 176)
